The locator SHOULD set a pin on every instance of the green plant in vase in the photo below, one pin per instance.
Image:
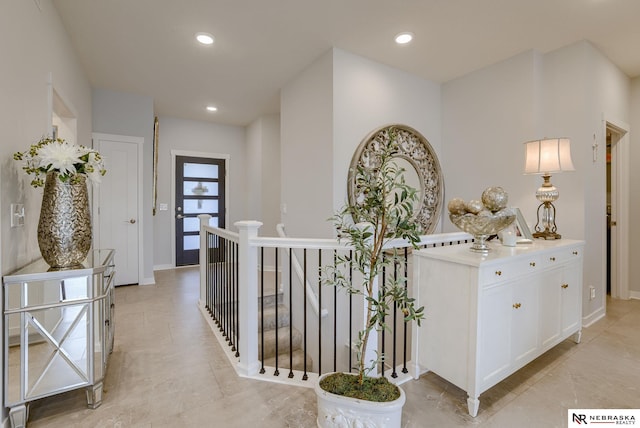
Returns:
(383, 211)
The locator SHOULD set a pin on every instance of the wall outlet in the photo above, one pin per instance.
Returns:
(592, 292)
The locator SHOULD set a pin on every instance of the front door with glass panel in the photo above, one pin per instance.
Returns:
(199, 190)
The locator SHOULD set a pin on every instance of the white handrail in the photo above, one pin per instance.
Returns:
(311, 294)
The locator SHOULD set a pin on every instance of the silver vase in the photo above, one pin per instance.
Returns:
(64, 229)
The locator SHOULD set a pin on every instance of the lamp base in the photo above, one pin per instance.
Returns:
(546, 225)
(547, 235)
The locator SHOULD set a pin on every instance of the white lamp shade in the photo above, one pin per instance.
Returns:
(547, 156)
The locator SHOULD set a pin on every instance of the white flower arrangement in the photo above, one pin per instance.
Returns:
(70, 161)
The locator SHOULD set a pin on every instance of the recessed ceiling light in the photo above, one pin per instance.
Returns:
(404, 38)
(212, 108)
(204, 38)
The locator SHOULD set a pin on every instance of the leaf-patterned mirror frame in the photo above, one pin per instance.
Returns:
(415, 149)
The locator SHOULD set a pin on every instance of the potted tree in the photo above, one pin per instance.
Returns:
(382, 211)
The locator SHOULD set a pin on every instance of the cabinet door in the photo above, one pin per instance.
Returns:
(571, 299)
(494, 347)
(550, 294)
(524, 320)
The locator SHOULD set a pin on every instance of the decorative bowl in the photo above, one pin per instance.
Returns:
(483, 225)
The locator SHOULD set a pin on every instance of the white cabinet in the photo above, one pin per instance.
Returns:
(488, 315)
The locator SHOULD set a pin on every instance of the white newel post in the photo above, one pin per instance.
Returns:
(204, 221)
(248, 297)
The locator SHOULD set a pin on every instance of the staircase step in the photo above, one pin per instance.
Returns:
(271, 299)
(283, 341)
(269, 317)
(283, 361)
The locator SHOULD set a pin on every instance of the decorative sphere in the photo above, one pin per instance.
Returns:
(495, 198)
(457, 206)
(474, 206)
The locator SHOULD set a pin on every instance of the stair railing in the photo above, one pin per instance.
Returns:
(229, 266)
(312, 296)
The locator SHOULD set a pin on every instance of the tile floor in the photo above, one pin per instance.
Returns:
(167, 370)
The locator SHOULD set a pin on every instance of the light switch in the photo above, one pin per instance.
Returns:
(17, 215)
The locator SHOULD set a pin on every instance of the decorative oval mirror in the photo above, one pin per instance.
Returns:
(421, 170)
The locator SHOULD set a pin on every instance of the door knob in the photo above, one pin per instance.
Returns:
(179, 216)
(132, 221)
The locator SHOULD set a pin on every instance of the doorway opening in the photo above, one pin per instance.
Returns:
(200, 188)
(617, 185)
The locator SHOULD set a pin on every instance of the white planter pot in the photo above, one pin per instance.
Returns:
(345, 412)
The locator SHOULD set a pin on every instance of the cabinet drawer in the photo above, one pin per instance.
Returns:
(561, 256)
(503, 272)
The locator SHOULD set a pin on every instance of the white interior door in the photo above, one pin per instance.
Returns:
(116, 204)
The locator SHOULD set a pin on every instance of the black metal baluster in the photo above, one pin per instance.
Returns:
(304, 316)
(395, 319)
(262, 310)
(291, 314)
(277, 372)
(383, 286)
(406, 287)
(220, 305)
(237, 286)
(226, 293)
(218, 285)
(234, 314)
(350, 312)
(335, 313)
(208, 273)
(230, 292)
(319, 313)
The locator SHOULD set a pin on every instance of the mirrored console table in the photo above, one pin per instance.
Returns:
(58, 331)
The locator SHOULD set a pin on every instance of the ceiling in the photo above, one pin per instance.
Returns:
(147, 47)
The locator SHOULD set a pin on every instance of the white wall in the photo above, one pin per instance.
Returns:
(131, 115)
(327, 111)
(35, 50)
(584, 87)
(488, 114)
(306, 150)
(263, 173)
(197, 137)
(368, 95)
(30, 60)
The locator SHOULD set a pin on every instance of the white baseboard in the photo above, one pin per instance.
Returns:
(634, 294)
(593, 317)
(163, 267)
(148, 281)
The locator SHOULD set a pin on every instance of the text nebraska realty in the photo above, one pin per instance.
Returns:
(605, 419)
